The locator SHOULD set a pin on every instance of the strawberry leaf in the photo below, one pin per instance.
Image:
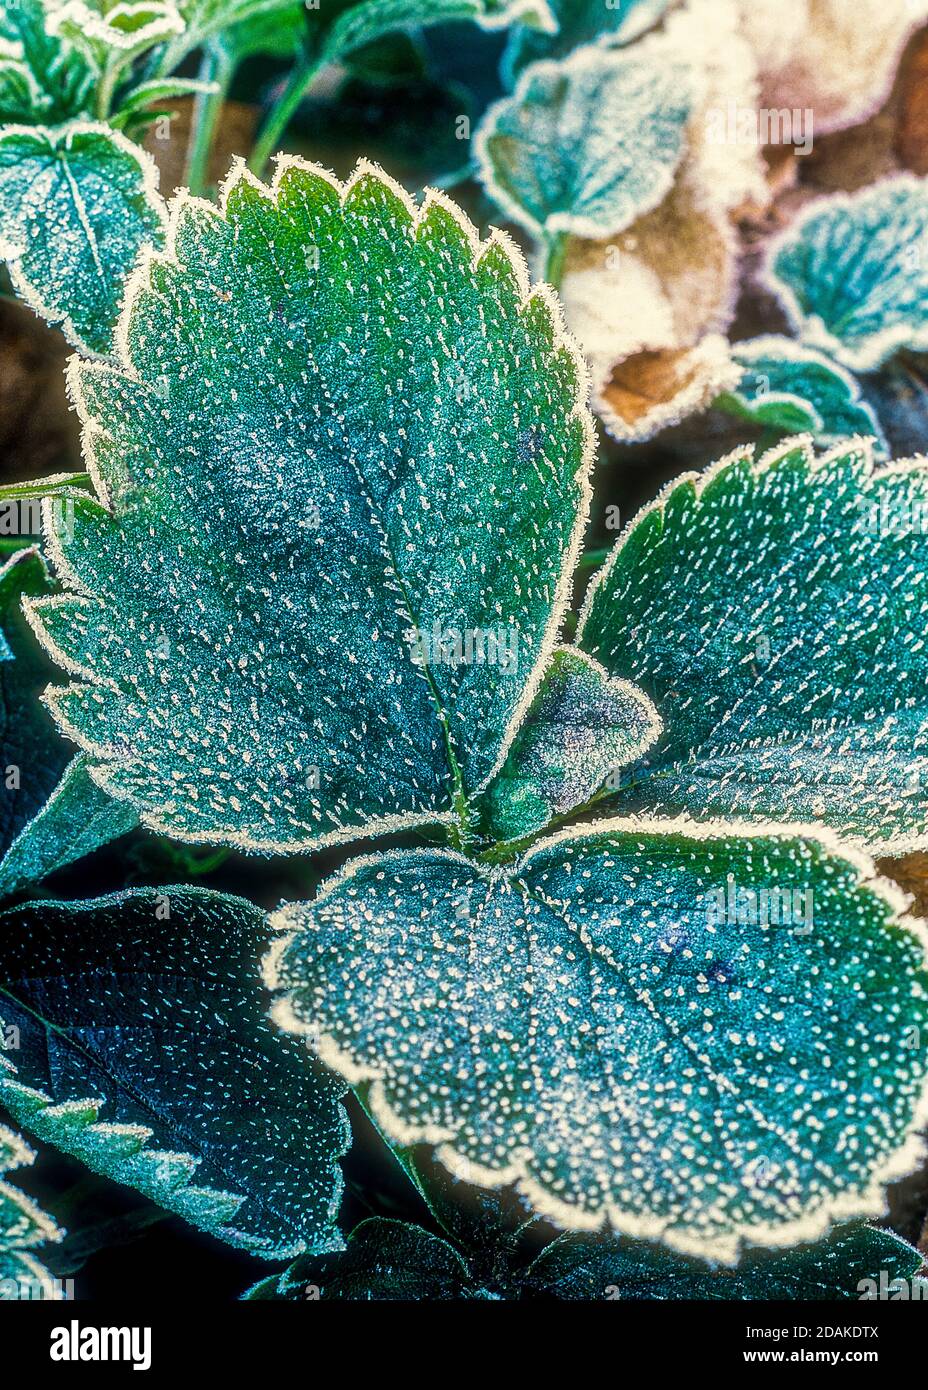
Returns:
(598, 1026)
(852, 272)
(582, 727)
(23, 1226)
(77, 204)
(774, 613)
(143, 1050)
(580, 22)
(793, 389)
(343, 473)
(587, 145)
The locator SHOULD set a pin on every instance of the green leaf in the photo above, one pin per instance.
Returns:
(57, 82)
(50, 813)
(389, 1260)
(23, 1225)
(603, 1026)
(77, 204)
(587, 145)
(775, 612)
(841, 1267)
(76, 819)
(113, 34)
(852, 272)
(144, 1050)
(793, 389)
(581, 22)
(363, 23)
(386, 1261)
(582, 726)
(159, 90)
(343, 470)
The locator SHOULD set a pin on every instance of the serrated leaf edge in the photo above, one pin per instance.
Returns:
(862, 446)
(589, 56)
(12, 253)
(869, 1203)
(138, 282)
(809, 327)
(103, 1128)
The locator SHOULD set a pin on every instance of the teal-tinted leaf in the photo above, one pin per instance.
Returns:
(599, 1024)
(840, 1267)
(385, 1261)
(77, 818)
(61, 75)
(21, 98)
(50, 814)
(159, 90)
(113, 35)
(369, 20)
(580, 22)
(793, 389)
(775, 614)
(587, 145)
(144, 1050)
(23, 1225)
(77, 204)
(390, 1260)
(852, 272)
(344, 459)
(582, 727)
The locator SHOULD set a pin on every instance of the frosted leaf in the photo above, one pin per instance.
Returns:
(389, 1260)
(835, 58)
(650, 304)
(144, 1051)
(369, 20)
(841, 1267)
(51, 813)
(581, 22)
(77, 205)
(793, 389)
(23, 1226)
(700, 1035)
(852, 272)
(586, 145)
(649, 308)
(343, 475)
(42, 78)
(581, 728)
(106, 32)
(775, 614)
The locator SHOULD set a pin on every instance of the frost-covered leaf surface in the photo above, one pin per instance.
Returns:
(792, 389)
(587, 145)
(77, 204)
(144, 1050)
(385, 1261)
(23, 1227)
(42, 78)
(344, 460)
(106, 33)
(774, 611)
(830, 58)
(583, 726)
(581, 1268)
(389, 1260)
(582, 22)
(50, 812)
(852, 272)
(369, 20)
(594, 1024)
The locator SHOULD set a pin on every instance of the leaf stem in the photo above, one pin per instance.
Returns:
(283, 110)
(218, 66)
